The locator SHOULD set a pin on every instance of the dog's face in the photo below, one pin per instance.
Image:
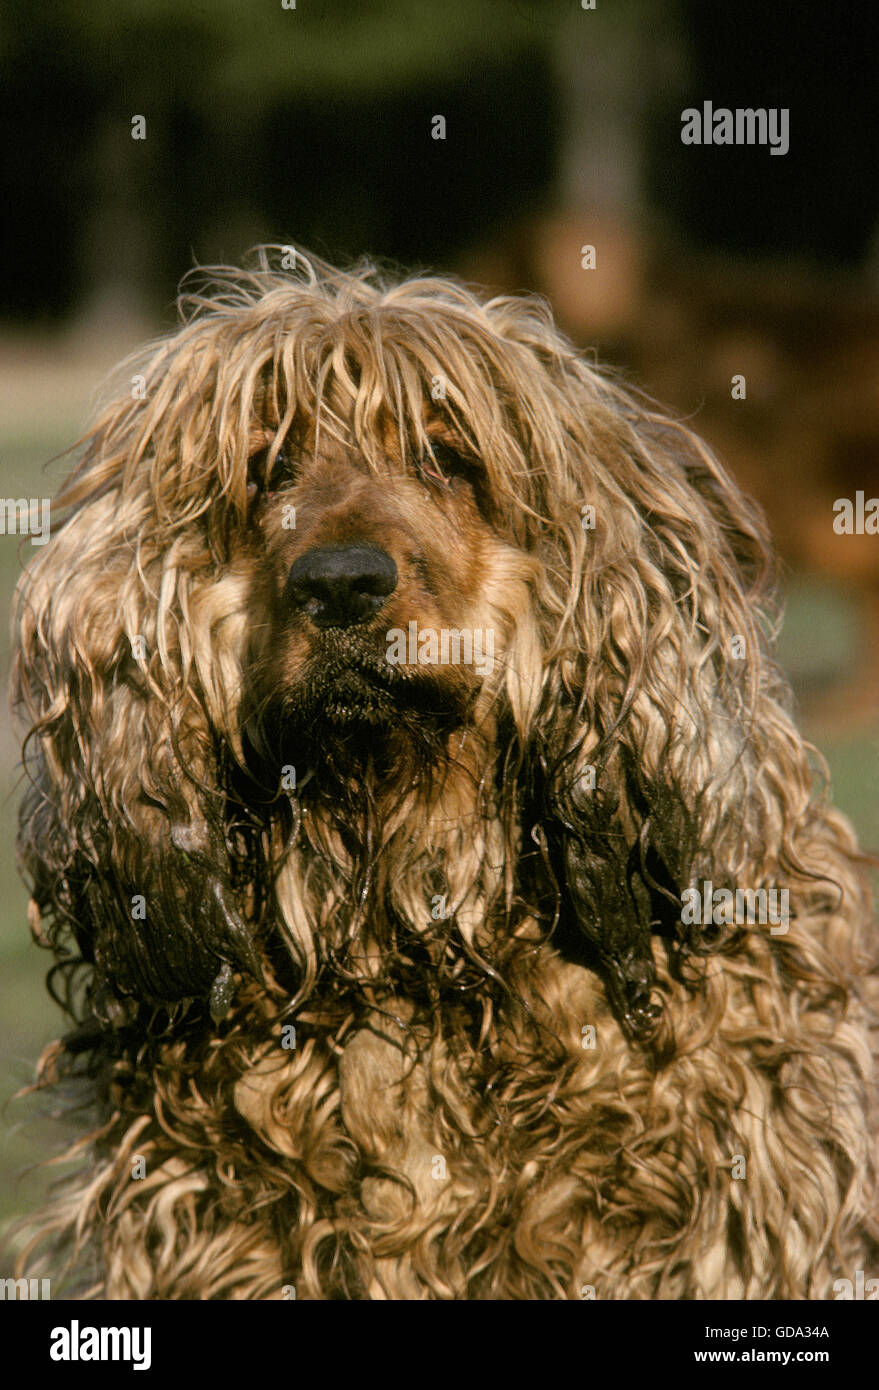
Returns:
(373, 577)
(369, 554)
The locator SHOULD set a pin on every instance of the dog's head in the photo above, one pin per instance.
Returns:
(372, 583)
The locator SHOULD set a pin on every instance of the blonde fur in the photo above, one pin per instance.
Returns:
(441, 1129)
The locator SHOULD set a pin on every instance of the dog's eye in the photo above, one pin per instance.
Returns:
(265, 477)
(447, 467)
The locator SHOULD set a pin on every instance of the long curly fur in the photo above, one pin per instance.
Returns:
(379, 975)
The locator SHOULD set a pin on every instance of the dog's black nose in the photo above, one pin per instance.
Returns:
(340, 586)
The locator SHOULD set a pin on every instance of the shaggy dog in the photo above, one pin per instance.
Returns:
(436, 879)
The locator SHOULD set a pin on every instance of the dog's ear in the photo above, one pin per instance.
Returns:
(126, 671)
(620, 850)
(662, 703)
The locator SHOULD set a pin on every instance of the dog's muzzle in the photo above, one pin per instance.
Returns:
(341, 586)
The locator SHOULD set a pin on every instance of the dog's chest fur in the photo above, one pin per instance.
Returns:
(515, 1173)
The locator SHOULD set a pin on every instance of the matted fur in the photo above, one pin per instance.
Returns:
(473, 871)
